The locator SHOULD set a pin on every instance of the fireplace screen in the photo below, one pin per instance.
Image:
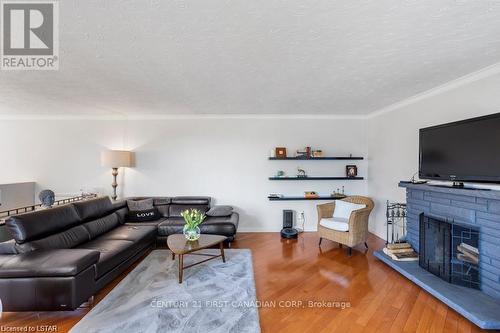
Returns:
(465, 256)
(449, 251)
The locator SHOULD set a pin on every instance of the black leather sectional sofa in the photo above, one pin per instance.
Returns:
(62, 256)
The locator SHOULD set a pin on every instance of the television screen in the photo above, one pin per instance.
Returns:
(467, 150)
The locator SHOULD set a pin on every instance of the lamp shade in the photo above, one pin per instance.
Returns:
(117, 158)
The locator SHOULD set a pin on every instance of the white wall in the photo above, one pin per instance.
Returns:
(61, 155)
(225, 158)
(393, 135)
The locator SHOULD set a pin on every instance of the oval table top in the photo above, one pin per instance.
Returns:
(178, 244)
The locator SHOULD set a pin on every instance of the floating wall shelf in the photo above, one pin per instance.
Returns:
(303, 198)
(316, 178)
(346, 158)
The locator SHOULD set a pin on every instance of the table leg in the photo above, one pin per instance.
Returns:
(181, 266)
(173, 256)
(222, 252)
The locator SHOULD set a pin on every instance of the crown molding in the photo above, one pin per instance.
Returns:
(183, 116)
(450, 85)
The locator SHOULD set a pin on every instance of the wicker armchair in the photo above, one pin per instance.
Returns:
(358, 223)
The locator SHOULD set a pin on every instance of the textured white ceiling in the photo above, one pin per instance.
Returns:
(254, 57)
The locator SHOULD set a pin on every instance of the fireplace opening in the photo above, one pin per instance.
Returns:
(449, 251)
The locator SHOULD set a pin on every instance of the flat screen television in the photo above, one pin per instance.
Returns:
(467, 150)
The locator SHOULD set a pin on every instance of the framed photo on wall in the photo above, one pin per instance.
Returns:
(280, 152)
(351, 170)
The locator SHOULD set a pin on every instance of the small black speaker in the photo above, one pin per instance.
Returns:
(288, 231)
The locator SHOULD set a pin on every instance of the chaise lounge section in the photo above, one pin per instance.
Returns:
(62, 256)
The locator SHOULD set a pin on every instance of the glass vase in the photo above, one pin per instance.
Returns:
(191, 234)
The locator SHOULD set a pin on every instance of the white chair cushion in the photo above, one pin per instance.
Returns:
(343, 209)
(338, 224)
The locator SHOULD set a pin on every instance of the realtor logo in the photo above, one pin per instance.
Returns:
(29, 35)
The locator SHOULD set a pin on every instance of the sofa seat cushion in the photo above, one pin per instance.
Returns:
(113, 253)
(135, 234)
(335, 223)
(171, 226)
(47, 263)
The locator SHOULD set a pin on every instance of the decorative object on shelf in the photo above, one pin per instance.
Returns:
(305, 153)
(47, 198)
(193, 219)
(116, 159)
(338, 193)
(413, 180)
(337, 196)
(396, 222)
(351, 171)
(280, 173)
(301, 173)
(272, 153)
(275, 196)
(301, 221)
(317, 153)
(310, 194)
(280, 152)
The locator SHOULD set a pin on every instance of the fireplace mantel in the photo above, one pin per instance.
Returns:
(468, 192)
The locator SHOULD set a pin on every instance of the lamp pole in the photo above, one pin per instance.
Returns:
(114, 184)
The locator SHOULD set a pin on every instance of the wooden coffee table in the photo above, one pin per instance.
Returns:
(179, 245)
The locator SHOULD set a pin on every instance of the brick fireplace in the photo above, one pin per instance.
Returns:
(477, 209)
(457, 234)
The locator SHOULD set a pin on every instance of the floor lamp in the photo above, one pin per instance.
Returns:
(115, 159)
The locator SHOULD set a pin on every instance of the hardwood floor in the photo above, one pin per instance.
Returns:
(375, 297)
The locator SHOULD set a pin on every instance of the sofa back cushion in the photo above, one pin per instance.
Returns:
(192, 201)
(180, 204)
(94, 208)
(62, 240)
(163, 205)
(343, 209)
(42, 223)
(102, 225)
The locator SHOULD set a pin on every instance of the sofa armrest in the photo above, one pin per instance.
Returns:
(47, 263)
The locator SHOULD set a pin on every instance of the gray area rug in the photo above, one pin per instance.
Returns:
(214, 297)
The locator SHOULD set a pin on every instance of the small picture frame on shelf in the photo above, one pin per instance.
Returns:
(317, 153)
(351, 171)
(280, 152)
